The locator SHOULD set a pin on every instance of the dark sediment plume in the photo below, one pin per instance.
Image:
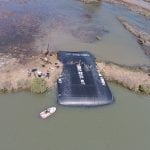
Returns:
(17, 33)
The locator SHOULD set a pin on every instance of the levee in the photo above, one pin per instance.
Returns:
(80, 83)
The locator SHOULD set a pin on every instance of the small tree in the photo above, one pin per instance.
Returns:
(38, 85)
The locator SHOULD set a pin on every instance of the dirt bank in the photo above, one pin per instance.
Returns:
(143, 38)
(131, 78)
(139, 6)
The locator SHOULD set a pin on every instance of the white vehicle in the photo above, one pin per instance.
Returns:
(48, 112)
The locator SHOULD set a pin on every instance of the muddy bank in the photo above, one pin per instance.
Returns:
(16, 76)
(143, 38)
(141, 7)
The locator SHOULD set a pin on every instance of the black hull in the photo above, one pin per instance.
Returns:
(80, 83)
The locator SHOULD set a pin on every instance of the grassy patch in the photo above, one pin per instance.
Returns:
(144, 89)
(38, 85)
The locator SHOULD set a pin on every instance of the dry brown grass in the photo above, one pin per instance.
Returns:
(136, 80)
(16, 74)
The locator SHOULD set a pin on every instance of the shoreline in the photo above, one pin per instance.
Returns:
(15, 77)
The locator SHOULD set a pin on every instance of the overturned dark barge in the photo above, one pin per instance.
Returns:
(81, 83)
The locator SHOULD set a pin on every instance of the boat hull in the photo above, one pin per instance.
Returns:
(48, 112)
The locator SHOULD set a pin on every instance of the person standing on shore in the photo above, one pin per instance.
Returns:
(48, 74)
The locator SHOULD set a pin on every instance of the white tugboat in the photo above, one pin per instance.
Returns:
(47, 112)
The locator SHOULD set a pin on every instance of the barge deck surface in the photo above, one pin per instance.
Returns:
(81, 83)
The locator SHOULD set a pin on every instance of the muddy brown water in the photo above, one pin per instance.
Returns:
(71, 25)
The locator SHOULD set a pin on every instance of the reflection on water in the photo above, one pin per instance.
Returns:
(70, 25)
(123, 125)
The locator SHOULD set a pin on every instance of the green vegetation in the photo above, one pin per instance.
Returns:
(6, 87)
(144, 89)
(38, 85)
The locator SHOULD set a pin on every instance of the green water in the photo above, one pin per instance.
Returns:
(123, 125)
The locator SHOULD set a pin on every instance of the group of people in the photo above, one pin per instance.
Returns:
(38, 73)
(45, 61)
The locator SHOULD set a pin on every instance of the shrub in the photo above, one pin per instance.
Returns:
(144, 89)
(38, 85)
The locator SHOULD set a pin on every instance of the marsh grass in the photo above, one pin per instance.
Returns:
(38, 85)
